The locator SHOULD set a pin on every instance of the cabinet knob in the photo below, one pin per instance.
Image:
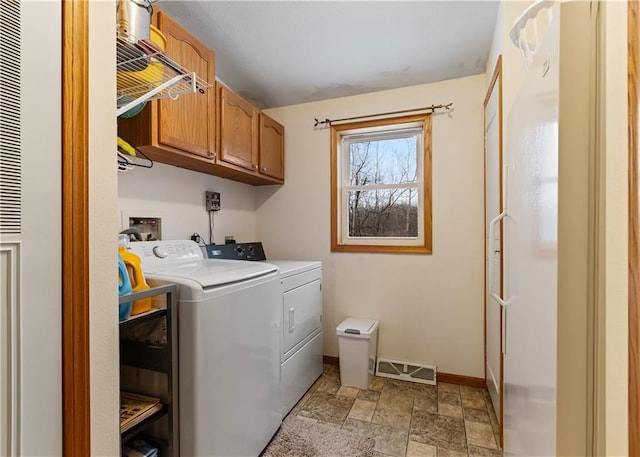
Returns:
(264, 169)
(255, 167)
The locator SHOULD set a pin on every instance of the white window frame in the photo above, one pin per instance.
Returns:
(342, 136)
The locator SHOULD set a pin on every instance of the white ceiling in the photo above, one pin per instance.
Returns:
(277, 53)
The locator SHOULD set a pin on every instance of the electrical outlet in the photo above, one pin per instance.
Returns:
(212, 201)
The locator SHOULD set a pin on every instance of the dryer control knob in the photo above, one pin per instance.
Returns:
(159, 251)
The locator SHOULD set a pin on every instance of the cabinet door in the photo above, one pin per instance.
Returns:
(271, 147)
(188, 123)
(238, 130)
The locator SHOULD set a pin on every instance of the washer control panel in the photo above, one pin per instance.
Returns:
(237, 251)
(160, 252)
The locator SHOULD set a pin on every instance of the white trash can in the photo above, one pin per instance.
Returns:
(357, 347)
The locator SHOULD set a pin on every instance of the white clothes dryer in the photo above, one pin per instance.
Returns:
(301, 351)
(229, 316)
(301, 312)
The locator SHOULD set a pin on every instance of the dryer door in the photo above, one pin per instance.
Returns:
(302, 309)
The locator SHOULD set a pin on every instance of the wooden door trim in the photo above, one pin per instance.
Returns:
(495, 79)
(633, 19)
(75, 229)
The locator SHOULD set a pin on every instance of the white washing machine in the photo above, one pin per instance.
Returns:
(229, 316)
(301, 311)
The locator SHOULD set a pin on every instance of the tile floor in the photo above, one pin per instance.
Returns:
(407, 419)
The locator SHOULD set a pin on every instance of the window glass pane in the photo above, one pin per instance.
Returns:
(385, 161)
(383, 212)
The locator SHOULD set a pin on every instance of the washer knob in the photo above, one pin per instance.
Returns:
(160, 252)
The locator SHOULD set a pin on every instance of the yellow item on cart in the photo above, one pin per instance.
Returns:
(138, 283)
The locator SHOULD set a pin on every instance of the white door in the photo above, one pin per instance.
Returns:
(493, 238)
(30, 230)
(530, 248)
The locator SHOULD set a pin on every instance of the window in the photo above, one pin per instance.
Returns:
(381, 185)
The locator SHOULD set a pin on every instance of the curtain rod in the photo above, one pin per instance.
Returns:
(431, 108)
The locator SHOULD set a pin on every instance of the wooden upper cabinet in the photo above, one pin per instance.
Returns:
(178, 132)
(271, 148)
(250, 143)
(238, 134)
(188, 123)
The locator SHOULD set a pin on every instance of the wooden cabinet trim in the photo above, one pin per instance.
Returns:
(250, 113)
(167, 25)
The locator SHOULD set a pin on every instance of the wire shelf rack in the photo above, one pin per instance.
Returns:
(145, 73)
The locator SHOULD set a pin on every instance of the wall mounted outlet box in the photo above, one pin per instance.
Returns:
(212, 201)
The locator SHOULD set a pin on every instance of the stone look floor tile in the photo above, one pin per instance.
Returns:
(473, 402)
(330, 369)
(394, 411)
(415, 449)
(362, 410)
(444, 421)
(446, 387)
(428, 405)
(469, 391)
(449, 397)
(327, 407)
(477, 451)
(376, 383)
(351, 392)
(447, 409)
(410, 389)
(480, 435)
(328, 385)
(388, 440)
(440, 431)
(476, 415)
(369, 395)
(442, 452)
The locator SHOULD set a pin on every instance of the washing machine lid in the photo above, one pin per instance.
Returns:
(183, 259)
(211, 273)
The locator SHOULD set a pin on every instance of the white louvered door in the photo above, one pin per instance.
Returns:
(10, 223)
(30, 228)
(10, 148)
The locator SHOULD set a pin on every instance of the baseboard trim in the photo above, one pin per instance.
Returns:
(461, 380)
(331, 360)
(441, 377)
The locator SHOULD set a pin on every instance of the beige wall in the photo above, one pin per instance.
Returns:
(430, 307)
(177, 196)
(104, 353)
